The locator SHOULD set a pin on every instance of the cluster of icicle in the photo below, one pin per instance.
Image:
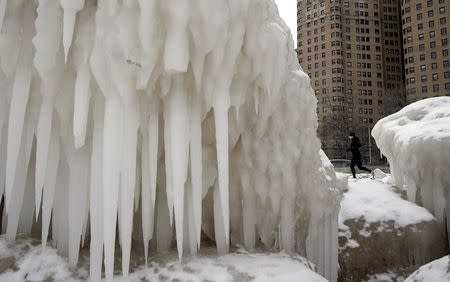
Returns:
(416, 142)
(191, 115)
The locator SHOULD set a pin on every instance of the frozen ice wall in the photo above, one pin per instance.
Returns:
(416, 142)
(192, 114)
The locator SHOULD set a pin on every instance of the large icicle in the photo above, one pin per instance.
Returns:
(20, 94)
(128, 180)
(71, 7)
(112, 158)
(221, 105)
(179, 139)
(96, 196)
(50, 183)
(196, 167)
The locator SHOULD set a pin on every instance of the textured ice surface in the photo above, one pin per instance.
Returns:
(189, 116)
(416, 142)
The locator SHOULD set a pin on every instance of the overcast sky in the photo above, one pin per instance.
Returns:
(288, 11)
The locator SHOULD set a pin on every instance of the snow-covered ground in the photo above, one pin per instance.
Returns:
(32, 263)
(435, 271)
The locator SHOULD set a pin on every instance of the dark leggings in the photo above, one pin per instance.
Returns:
(358, 163)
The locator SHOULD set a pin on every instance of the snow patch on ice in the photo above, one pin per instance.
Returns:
(436, 271)
(375, 202)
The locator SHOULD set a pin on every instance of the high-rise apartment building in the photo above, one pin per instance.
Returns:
(426, 28)
(352, 51)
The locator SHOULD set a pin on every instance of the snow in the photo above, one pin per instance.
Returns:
(375, 201)
(416, 142)
(436, 271)
(166, 119)
(36, 264)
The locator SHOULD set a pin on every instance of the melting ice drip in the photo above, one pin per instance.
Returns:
(188, 113)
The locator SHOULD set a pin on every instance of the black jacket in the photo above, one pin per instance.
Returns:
(354, 147)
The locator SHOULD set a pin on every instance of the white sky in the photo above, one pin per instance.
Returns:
(288, 11)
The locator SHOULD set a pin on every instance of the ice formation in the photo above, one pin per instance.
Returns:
(194, 115)
(416, 142)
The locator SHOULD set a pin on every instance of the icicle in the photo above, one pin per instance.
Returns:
(16, 196)
(50, 182)
(20, 94)
(249, 212)
(149, 173)
(168, 162)
(81, 105)
(78, 195)
(221, 105)
(128, 181)
(71, 7)
(196, 167)
(43, 133)
(176, 49)
(179, 138)
(96, 198)
(3, 7)
(221, 236)
(112, 154)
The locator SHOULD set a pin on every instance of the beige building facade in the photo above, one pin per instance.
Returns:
(426, 28)
(352, 51)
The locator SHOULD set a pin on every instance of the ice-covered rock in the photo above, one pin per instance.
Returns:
(382, 234)
(436, 271)
(416, 142)
(193, 114)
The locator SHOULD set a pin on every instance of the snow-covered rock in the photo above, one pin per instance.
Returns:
(416, 142)
(382, 234)
(435, 271)
(33, 263)
(193, 114)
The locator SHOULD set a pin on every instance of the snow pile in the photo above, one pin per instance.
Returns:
(35, 264)
(436, 271)
(416, 142)
(194, 115)
(375, 202)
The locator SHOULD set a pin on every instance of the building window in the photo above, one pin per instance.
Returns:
(419, 17)
(419, 6)
(430, 13)
(433, 55)
(423, 67)
(430, 3)
(424, 89)
(431, 23)
(432, 44)
(435, 76)
(421, 37)
(443, 31)
(423, 78)
(435, 87)
(445, 52)
(432, 34)
(442, 10)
